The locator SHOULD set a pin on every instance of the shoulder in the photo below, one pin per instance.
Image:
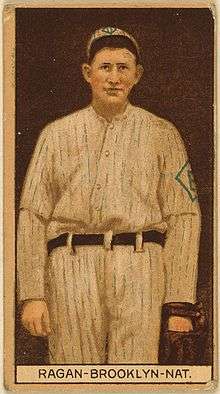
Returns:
(152, 120)
(64, 124)
(162, 130)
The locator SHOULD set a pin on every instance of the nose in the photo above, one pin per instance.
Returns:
(113, 76)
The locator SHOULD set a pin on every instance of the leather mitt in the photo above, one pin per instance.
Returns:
(183, 347)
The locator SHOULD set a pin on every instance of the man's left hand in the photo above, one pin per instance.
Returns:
(179, 323)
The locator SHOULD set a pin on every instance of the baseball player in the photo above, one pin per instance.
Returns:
(109, 221)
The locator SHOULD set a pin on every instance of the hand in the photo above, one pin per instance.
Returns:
(35, 318)
(179, 323)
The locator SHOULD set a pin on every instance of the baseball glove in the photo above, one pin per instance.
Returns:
(183, 347)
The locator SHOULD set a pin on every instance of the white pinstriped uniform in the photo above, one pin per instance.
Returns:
(91, 176)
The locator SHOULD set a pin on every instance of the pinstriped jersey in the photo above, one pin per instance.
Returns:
(88, 175)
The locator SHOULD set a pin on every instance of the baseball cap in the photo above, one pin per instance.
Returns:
(111, 37)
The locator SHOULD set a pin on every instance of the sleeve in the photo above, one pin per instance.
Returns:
(180, 209)
(37, 204)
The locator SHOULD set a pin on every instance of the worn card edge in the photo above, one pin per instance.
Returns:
(8, 195)
(112, 4)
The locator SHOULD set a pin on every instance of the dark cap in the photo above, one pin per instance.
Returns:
(111, 37)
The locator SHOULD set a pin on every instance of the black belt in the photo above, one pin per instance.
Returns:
(98, 239)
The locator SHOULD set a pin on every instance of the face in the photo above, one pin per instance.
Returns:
(112, 74)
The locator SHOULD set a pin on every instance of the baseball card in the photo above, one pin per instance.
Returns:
(110, 271)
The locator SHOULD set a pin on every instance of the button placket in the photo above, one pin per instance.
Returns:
(111, 126)
(103, 168)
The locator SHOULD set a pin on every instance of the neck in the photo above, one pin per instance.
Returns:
(108, 111)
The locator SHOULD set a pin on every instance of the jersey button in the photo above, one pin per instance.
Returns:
(107, 153)
(98, 186)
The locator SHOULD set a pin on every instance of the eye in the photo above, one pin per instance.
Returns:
(122, 67)
(105, 67)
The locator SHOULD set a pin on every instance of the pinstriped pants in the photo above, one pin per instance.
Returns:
(104, 305)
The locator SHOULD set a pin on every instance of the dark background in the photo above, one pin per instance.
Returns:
(178, 53)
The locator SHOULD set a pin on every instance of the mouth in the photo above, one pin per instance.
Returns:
(112, 91)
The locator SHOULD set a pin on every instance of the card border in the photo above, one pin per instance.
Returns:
(9, 193)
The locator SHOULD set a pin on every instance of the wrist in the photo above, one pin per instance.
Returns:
(180, 324)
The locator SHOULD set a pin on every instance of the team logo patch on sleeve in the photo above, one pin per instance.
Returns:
(185, 178)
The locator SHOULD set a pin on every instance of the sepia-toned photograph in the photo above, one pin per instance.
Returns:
(112, 266)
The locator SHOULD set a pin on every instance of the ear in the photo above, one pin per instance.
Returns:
(139, 73)
(86, 70)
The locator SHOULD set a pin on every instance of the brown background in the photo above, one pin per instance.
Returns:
(178, 59)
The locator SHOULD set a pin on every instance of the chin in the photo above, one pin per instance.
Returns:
(114, 100)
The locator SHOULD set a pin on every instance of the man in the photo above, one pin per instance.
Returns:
(104, 185)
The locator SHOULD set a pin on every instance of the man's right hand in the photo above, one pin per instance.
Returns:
(35, 317)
